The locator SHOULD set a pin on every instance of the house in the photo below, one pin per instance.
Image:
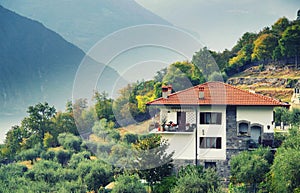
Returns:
(209, 123)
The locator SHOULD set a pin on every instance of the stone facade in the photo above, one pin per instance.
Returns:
(234, 141)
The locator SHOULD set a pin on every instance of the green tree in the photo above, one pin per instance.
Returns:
(64, 123)
(94, 173)
(103, 106)
(30, 154)
(182, 75)
(160, 75)
(13, 141)
(77, 158)
(69, 141)
(196, 180)
(290, 42)
(128, 184)
(295, 117)
(99, 176)
(153, 161)
(251, 167)
(263, 47)
(49, 140)
(280, 26)
(204, 61)
(247, 39)
(281, 115)
(103, 128)
(39, 120)
(222, 58)
(84, 116)
(63, 157)
(44, 171)
(130, 138)
(285, 171)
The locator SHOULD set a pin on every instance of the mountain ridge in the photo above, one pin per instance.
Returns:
(36, 65)
(85, 28)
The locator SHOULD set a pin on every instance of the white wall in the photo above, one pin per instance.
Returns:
(260, 115)
(212, 131)
(182, 144)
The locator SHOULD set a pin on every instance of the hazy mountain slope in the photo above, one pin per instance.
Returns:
(36, 64)
(84, 22)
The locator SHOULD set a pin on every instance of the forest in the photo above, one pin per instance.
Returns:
(82, 149)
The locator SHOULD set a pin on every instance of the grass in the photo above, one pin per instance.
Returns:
(26, 163)
(138, 128)
(97, 139)
(281, 72)
(264, 88)
(56, 148)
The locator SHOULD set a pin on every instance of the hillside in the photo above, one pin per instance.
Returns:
(274, 81)
(84, 23)
(36, 64)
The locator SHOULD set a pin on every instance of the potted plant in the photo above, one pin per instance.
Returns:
(163, 121)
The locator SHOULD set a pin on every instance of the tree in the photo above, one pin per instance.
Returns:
(251, 167)
(103, 106)
(281, 115)
(49, 140)
(69, 141)
(154, 163)
(102, 128)
(84, 117)
(64, 123)
(160, 75)
(143, 100)
(39, 120)
(205, 62)
(290, 42)
(280, 26)
(94, 174)
(63, 157)
(77, 158)
(196, 180)
(44, 171)
(246, 39)
(30, 154)
(182, 75)
(128, 184)
(243, 56)
(285, 171)
(130, 138)
(13, 140)
(222, 58)
(263, 47)
(295, 117)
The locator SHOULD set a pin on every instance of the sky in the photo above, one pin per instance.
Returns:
(218, 24)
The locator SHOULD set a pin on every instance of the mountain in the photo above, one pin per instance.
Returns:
(36, 65)
(84, 23)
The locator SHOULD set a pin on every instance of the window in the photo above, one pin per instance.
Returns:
(211, 142)
(210, 118)
(210, 165)
(243, 128)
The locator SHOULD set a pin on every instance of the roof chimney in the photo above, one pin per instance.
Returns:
(169, 89)
(164, 90)
(201, 92)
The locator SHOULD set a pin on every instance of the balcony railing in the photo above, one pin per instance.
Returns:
(171, 127)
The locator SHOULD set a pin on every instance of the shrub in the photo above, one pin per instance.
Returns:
(128, 183)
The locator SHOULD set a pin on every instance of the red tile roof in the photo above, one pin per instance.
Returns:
(217, 93)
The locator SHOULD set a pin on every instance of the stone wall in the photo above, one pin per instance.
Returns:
(233, 141)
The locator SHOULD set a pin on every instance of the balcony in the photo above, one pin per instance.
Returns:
(172, 128)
